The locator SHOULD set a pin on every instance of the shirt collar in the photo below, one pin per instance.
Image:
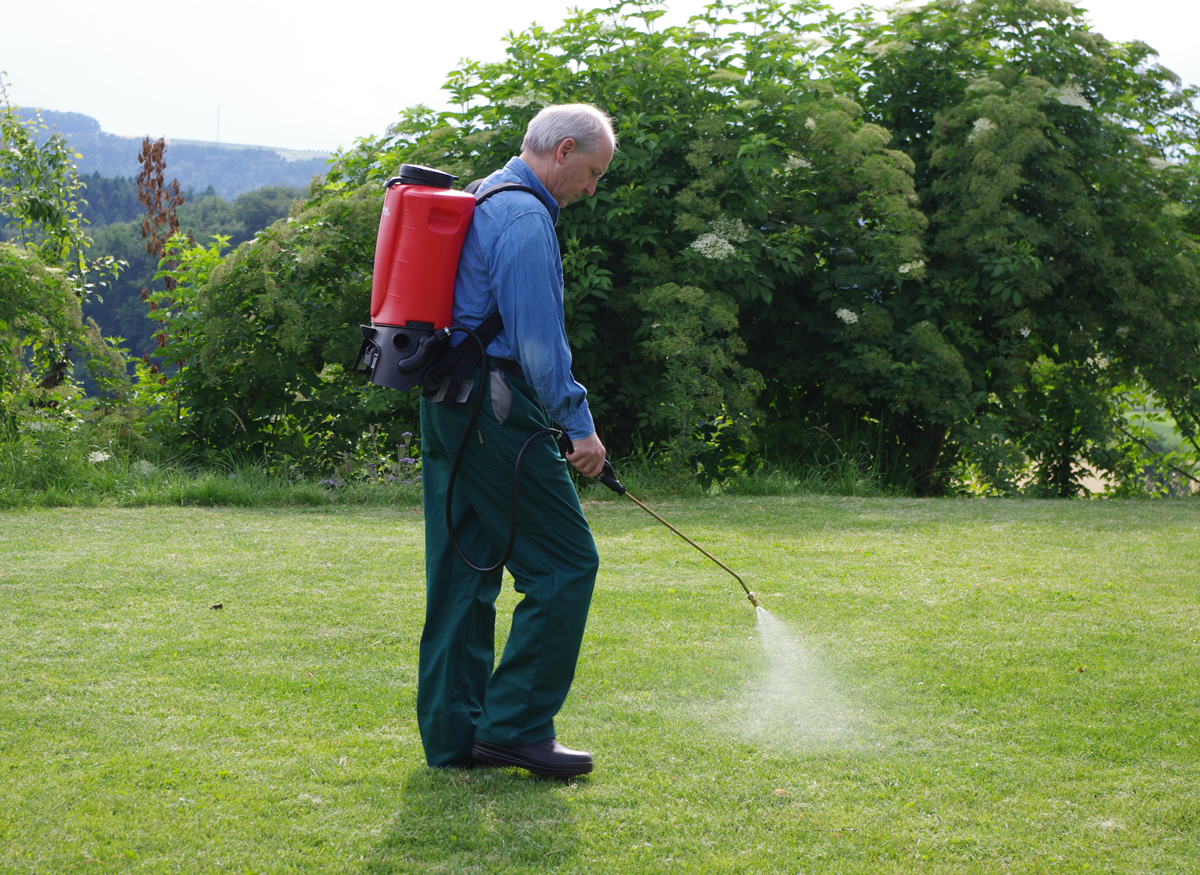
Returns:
(525, 173)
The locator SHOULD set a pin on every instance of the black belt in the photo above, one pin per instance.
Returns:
(508, 366)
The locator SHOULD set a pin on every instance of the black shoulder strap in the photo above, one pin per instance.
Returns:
(473, 188)
(504, 186)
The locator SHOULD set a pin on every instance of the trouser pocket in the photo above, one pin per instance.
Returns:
(501, 396)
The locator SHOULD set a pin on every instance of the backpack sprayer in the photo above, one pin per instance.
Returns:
(421, 234)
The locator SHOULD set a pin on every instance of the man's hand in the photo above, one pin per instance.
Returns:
(588, 457)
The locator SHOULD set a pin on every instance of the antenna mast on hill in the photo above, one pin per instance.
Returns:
(218, 125)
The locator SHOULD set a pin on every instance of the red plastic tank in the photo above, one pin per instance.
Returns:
(416, 253)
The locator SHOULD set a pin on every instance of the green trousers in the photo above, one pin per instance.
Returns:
(460, 697)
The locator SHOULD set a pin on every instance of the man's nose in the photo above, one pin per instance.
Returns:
(591, 189)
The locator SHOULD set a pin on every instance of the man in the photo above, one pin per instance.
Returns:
(510, 261)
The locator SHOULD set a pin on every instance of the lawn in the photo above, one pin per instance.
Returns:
(940, 686)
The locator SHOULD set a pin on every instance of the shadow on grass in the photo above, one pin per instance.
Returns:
(482, 820)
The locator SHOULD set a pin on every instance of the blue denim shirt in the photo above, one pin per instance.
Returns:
(510, 261)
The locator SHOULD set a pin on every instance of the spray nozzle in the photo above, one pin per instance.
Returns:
(753, 600)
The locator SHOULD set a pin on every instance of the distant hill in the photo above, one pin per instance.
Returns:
(230, 169)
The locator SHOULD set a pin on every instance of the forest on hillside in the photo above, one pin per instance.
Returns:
(956, 251)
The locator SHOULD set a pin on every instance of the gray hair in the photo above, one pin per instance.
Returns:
(581, 122)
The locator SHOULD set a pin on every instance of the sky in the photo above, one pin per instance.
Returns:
(302, 76)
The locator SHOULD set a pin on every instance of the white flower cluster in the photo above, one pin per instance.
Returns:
(98, 456)
(725, 74)
(795, 162)
(987, 86)
(809, 39)
(909, 267)
(982, 126)
(717, 244)
(144, 468)
(730, 228)
(895, 10)
(528, 99)
(847, 316)
(1160, 164)
(713, 246)
(878, 50)
(810, 123)
(1069, 95)
(1025, 332)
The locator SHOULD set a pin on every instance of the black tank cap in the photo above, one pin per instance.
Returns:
(415, 174)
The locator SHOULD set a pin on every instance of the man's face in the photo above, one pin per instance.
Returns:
(575, 173)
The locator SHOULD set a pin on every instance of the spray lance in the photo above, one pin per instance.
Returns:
(609, 478)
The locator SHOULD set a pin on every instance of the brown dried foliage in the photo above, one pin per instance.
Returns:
(159, 199)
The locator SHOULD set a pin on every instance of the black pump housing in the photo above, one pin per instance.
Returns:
(398, 358)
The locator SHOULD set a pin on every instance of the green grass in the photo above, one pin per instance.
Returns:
(646, 476)
(56, 474)
(117, 482)
(974, 686)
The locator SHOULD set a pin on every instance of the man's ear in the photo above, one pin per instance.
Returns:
(565, 148)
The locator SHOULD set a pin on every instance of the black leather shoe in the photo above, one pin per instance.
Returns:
(546, 758)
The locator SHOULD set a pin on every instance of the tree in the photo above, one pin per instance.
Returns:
(44, 275)
(39, 189)
(1059, 175)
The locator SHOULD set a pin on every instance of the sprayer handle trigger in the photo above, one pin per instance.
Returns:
(609, 478)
